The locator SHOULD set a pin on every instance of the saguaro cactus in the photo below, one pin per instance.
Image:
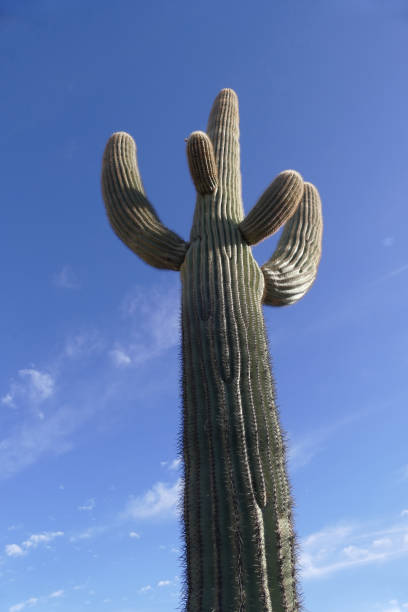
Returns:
(239, 536)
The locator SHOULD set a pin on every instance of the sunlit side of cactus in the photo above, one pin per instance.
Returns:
(239, 536)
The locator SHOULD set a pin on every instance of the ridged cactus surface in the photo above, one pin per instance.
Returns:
(239, 536)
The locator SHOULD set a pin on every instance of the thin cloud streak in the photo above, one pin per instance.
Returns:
(159, 502)
(302, 451)
(34, 386)
(155, 320)
(35, 540)
(66, 278)
(344, 546)
(153, 317)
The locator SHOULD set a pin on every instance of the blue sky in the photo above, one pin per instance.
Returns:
(90, 377)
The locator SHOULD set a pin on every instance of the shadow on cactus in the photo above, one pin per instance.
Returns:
(237, 507)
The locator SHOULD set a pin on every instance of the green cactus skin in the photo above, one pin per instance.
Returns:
(239, 536)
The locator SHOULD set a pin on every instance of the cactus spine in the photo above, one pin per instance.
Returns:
(239, 537)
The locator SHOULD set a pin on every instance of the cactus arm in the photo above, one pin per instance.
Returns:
(201, 161)
(130, 213)
(292, 269)
(275, 206)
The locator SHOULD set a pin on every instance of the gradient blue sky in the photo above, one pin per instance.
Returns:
(89, 382)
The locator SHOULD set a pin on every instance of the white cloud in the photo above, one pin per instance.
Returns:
(145, 589)
(88, 506)
(158, 502)
(163, 583)
(32, 601)
(66, 278)
(41, 538)
(16, 550)
(83, 344)
(171, 465)
(403, 473)
(354, 552)
(41, 384)
(34, 386)
(89, 533)
(302, 451)
(382, 542)
(392, 273)
(388, 241)
(32, 434)
(120, 358)
(156, 322)
(404, 513)
(28, 603)
(336, 548)
(394, 606)
(175, 464)
(7, 399)
(134, 535)
(32, 438)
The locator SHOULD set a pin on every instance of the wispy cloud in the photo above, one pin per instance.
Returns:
(158, 502)
(33, 386)
(35, 540)
(66, 278)
(119, 357)
(391, 274)
(91, 532)
(394, 606)
(28, 603)
(87, 506)
(83, 344)
(155, 324)
(175, 464)
(51, 404)
(164, 583)
(172, 465)
(32, 440)
(402, 473)
(388, 241)
(14, 550)
(145, 589)
(301, 451)
(343, 546)
(33, 601)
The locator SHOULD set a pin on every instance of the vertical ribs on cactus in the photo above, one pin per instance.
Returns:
(237, 506)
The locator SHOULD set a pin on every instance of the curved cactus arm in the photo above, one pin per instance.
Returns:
(275, 206)
(201, 161)
(130, 213)
(291, 270)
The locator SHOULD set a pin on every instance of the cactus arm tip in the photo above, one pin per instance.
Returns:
(274, 208)
(130, 213)
(201, 161)
(292, 269)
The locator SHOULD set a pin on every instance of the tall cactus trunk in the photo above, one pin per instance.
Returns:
(239, 537)
(237, 506)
